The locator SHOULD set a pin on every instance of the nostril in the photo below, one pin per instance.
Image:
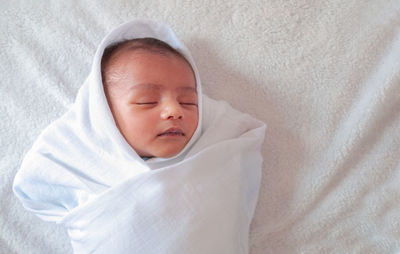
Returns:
(174, 117)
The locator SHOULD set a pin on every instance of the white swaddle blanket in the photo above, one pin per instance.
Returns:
(81, 173)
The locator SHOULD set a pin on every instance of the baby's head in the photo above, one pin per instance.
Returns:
(151, 90)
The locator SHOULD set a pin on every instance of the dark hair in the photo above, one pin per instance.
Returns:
(147, 44)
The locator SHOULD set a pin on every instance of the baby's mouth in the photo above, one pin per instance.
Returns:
(172, 132)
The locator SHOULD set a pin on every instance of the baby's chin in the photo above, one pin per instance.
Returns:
(165, 154)
(165, 148)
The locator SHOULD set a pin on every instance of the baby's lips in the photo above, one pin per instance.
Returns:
(172, 130)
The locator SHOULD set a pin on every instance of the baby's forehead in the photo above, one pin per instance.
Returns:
(130, 54)
(143, 45)
(130, 61)
(125, 63)
(149, 73)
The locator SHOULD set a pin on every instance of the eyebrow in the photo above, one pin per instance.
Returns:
(149, 86)
(153, 86)
(188, 89)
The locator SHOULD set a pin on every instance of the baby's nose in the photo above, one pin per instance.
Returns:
(172, 110)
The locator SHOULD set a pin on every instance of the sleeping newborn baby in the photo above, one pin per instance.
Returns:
(143, 162)
(151, 90)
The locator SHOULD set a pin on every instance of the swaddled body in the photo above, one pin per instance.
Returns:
(196, 194)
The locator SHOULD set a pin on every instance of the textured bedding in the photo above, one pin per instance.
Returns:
(325, 76)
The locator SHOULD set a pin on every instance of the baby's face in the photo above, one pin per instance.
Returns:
(153, 99)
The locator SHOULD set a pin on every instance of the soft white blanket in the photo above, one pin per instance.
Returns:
(324, 75)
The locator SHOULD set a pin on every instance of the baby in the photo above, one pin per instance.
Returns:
(142, 99)
(151, 90)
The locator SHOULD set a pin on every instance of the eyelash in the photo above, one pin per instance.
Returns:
(146, 103)
(153, 103)
(189, 104)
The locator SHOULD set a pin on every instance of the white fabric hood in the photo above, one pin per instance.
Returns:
(82, 174)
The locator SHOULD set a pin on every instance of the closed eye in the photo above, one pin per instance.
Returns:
(189, 104)
(146, 103)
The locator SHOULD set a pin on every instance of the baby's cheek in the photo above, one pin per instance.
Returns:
(143, 125)
(192, 121)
